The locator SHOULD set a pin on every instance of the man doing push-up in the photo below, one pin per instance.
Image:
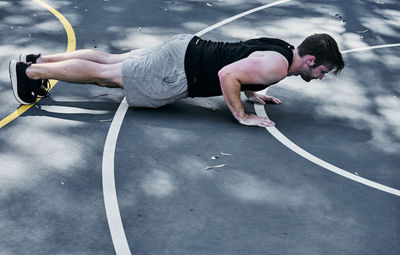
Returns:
(184, 66)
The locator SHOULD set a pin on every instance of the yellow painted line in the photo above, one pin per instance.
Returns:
(70, 47)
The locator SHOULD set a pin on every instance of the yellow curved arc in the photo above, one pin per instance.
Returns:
(70, 47)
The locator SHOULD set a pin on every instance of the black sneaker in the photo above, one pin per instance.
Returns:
(25, 89)
(29, 58)
(42, 88)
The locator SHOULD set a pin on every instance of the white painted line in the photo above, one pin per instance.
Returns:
(372, 48)
(219, 24)
(109, 191)
(260, 110)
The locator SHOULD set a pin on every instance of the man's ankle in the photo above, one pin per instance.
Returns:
(40, 60)
(30, 73)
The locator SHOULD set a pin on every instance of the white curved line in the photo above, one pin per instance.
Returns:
(371, 48)
(260, 110)
(109, 192)
(219, 24)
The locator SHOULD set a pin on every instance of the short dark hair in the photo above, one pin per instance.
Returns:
(325, 50)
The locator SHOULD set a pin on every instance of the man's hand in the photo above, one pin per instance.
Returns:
(254, 120)
(261, 98)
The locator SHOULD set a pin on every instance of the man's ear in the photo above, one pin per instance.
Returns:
(310, 60)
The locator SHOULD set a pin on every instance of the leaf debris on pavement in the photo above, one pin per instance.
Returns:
(102, 95)
(217, 166)
(339, 16)
(362, 33)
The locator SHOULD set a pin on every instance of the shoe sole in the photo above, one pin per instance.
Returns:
(13, 77)
(22, 57)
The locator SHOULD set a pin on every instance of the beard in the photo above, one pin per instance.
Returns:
(306, 77)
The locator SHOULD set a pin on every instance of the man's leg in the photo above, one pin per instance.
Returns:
(87, 54)
(79, 71)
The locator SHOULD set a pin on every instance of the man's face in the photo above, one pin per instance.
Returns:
(314, 73)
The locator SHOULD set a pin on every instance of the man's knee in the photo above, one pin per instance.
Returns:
(110, 76)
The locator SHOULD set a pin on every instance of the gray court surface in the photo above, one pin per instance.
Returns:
(265, 199)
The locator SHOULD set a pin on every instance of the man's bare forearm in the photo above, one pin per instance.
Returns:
(231, 91)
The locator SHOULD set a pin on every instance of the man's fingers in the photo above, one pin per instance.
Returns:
(260, 101)
(254, 120)
(264, 97)
(270, 98)
(265, 122)
(276, 100)
(256, 99)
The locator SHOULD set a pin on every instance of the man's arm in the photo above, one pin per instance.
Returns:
(267, 69)
(231, 91)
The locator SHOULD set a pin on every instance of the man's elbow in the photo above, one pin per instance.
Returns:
(226, 77)
(223, 74)
(228, 80)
